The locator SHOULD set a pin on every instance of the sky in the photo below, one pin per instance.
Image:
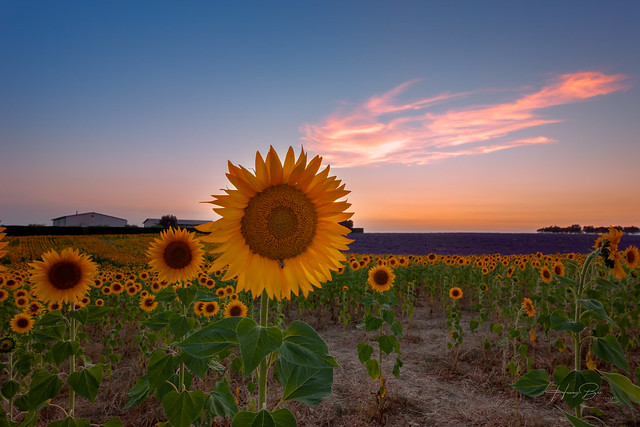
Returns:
(439, 116)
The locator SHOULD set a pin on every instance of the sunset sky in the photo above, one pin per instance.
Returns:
(438, 115)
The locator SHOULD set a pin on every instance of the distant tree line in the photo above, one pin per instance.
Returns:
(590, 229)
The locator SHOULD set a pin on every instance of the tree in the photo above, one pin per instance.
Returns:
(168, 221)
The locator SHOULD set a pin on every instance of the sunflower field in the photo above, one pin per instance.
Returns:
(240, 323)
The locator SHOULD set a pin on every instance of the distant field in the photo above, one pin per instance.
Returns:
(477, 243)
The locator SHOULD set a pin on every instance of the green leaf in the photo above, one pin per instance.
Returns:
(301, 344)
(388, 343)
(495, 328)
(579, 386)
(608, 349)
(212, 339)
(221, 403)
(43, 386)
(256, 343)
(605, 283)
(160, 368)
(533, 383)
(560, 322)
(52, 318)
(62, 350)
(279, 418)
(182, 409)
(206, 296)
(50, 333)
(71, 422)
(9, 388)
(396, 328)
(86, 382)
(198, 365)
(396, 368)
(596, 307)
(566, 281)
(560, 373)
(187, 295)
(306, 384)
(158, 321)
(373, 323)
(373, 369)
(112, 422)
(97, 313)
(167, 294)
(364, 352)
(622, 388)
(80, 314)
(180, 325)
(388, 316)
(575, 421)
(139, 392)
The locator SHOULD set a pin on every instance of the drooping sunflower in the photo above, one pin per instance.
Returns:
(210, 308)
(381, 278)
(558, 268)
(62, 277)
(279, 229)
(527, 304)
(630, 257)
(455, 293)
(235, 309)
(176, 255)
(7, 344)
(21, 323)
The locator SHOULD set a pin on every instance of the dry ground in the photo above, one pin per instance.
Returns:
(428, 392)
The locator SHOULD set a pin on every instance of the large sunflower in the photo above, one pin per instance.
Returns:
(381, 278)
(279, 229)
(176, 256)
(64, 276)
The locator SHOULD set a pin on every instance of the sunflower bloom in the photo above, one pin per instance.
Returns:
(21, 323)
(558, 269)
(148, 303)
(235, 309)
(279, 229)
(210, 309)
(7, 344)
(545, 274)
(63, 277)
(630, 257)
(176, 255)
(527, 304)
(381, 278)
(455, 293)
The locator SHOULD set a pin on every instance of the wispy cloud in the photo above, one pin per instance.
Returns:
(385, 130)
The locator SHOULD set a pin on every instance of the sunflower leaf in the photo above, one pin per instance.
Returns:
(212, 339)
(43, 386)
(596, 307)
(86, 382)
(301, 344)
(305, 384)
(220, 402)
(608, 349)
(182, 409)
(533, 383)
(256, 342)
(278, 418)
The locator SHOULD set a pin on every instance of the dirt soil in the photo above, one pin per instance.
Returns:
(427, 393)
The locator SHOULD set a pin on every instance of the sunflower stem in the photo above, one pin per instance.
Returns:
(262, 373)
(11, 379)
(72, 366)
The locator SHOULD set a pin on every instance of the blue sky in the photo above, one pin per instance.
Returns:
(133, 109)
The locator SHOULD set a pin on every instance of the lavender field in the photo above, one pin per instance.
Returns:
(477, 243)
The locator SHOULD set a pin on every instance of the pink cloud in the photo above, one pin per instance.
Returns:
(384, 130)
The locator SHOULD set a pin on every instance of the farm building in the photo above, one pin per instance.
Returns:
(155, 222)
(89, 219)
